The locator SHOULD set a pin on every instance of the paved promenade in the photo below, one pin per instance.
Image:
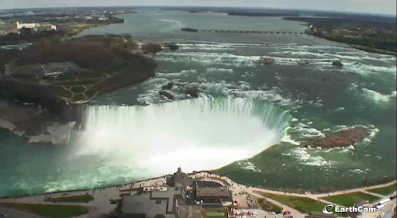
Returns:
(101, 203)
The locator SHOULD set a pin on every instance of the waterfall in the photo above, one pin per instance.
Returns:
(196, 134)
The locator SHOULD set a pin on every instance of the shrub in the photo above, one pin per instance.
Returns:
(151, 48)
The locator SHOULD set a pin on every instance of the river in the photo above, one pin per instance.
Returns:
(246, 123)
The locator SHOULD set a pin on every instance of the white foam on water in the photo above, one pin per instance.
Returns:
(206, 47)
(347, 149)
(237, 89)
(304, 132)
(375, 96)
(359, 171)
(287, 138)
(368, 69)
(196, 134)
(339, 109)
(174, 23)
(306, 159)
(218, 70)
(373, 131)
(245, 164)
(182, 73)
(207, 58)
(197, 43)
(248, 74)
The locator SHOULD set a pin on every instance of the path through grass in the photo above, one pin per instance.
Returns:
(351, 198)
(385, 190)
(302, 204)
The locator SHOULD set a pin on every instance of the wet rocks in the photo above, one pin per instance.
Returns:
(303, 62)
(192, 91)
(268, 61)
(337, 64)
(171, 46)
(167, 95)
(168, 86)
(151, 48)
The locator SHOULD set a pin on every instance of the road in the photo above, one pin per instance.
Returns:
(101, 203)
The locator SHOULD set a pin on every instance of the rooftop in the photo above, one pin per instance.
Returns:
(142, 204)
(179, 179)
(212, 191)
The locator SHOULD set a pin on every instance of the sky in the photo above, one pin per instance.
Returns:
(366, 6)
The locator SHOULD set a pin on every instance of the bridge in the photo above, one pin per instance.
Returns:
(242, 31)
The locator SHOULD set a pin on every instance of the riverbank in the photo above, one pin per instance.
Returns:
(359, 47)
(102, 197)
(224, 180)
(39, 105)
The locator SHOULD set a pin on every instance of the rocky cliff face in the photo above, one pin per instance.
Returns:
(35, 123)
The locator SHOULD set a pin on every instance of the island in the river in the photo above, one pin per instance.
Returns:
(340, 139)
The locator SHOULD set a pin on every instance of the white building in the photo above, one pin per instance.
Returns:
(27, 25)
(36, 26)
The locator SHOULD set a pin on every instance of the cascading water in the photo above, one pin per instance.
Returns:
(196, 134)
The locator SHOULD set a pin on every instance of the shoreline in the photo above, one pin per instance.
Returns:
(101, 197)
(220, 178)
(359, 47)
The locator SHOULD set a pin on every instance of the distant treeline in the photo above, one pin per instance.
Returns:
(262, 14)
(371, 32)
(378, 22)
(15, 38)
(51, 18)
(111, 54)
(388, 46)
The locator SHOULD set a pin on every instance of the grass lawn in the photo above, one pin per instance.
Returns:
(77, 198)
(62, 92)
(215, 213)
(67, 77)
(80, 82)
(77, 89)
(304, 205)
(385, 190)
(78, 97)
(350, 199)
(267, 206)
(56, 211)
(90, 75)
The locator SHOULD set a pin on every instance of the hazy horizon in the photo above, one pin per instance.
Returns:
(384, 7)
